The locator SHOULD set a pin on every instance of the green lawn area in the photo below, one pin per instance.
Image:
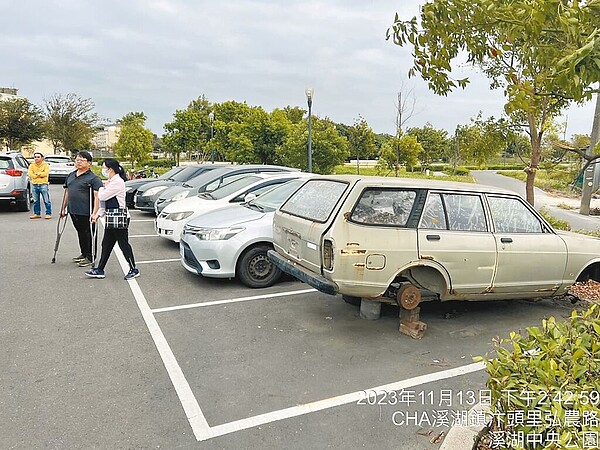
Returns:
(372, 171)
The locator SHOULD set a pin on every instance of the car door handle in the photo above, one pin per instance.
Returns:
(506, 240)
(433, 237)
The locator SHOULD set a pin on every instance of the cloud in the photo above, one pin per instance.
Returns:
(156, 56)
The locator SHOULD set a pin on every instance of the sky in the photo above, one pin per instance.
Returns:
(155, 56)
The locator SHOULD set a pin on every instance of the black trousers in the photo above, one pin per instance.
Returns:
(112, 236)
(84, 233)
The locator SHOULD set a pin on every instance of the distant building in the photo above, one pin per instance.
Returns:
(9, 93)
(106, 137)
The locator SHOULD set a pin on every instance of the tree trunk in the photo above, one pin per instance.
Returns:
(536, 151)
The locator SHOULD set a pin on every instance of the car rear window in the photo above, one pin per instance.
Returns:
(5, 163)
(57, 159)
(315, 200)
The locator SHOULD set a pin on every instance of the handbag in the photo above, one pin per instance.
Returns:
(115, 218)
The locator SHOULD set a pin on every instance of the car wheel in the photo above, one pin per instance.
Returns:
(25, 205)
(352, 300)
(254, 268)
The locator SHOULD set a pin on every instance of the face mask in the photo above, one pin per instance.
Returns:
(105, 172)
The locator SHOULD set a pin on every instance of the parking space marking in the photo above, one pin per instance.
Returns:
(143, 235)
(294, 411)
(231, 300)
(142, 220)
(158, 261)
(184, 392)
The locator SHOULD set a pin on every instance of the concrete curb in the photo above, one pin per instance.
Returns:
(464, 438)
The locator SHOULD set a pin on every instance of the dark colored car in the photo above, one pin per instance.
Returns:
(132, 186)
(147, 194)
(208, 182)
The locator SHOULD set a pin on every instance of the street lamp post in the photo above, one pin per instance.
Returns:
(211, 118)
(309, 97)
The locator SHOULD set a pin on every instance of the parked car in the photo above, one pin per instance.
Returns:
(170, 222)
(60, 167)
(210, 182)
(390, 238)
(132, 186)
(233, 241)
(15, 187)
(147, 194)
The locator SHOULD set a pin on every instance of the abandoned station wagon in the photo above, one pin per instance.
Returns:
(391, 238)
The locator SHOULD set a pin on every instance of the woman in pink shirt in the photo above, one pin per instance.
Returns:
(112, 195)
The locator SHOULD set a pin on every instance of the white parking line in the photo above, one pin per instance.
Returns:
(158, 261)
(232, 300)
(184, 392)
(142, 220)
(202, 431)
(294, 411)
(143, 235)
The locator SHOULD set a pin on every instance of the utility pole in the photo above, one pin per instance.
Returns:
(588, 177)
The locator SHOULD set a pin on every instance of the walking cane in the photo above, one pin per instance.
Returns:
(59, 229)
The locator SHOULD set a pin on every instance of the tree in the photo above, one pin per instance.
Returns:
(435, 143)
(190, 130)
(20, 122)
(135, 140)
(361, 140)
(329, 147)
(399, 151)
(543, 54)
(69, 122)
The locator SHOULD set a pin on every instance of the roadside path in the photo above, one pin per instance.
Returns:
(543, 199)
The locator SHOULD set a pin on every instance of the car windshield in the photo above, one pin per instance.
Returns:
(233, 187)
(205, 178)
(272, 199)
(184, 175)
(168, 175)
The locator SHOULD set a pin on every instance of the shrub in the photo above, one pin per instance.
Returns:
(557, 224)
(551, 378)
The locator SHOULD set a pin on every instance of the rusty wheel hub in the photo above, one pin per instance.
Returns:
(408, 296)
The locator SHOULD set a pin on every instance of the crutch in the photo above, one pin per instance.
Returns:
(93, 228)
(59, 229)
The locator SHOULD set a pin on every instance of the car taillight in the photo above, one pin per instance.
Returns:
(327, 254)
(13, 172)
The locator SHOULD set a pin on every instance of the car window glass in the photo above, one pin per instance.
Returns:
(276, 196)
(234, 186)
(315, 200)
(5, 163)
(170, 173)
(257, 190)
(465, 212)
(22, 162)
(433, 214)
(384, 207)
(512, 216)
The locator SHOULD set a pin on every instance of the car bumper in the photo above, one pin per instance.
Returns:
(13, 196)
(170, 229)
(214, 259)
(144, 203)
(317, 281)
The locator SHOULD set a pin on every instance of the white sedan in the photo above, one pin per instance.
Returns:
(170, 222)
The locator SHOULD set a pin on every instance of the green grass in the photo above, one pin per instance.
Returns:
(552, 181)
(372, 171)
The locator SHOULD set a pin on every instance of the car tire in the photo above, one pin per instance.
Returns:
(254, 268)
(351, 300)
(25, 205)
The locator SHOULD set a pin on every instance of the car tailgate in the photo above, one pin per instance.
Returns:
(303, 219)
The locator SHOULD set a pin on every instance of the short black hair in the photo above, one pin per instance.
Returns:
(38, 153)
(85, 154)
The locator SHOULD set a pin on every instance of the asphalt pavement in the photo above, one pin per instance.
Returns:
(172, 360)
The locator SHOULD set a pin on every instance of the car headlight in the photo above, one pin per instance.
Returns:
(215, 234)
(179, 196)
(153, 191)
(178, 215)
